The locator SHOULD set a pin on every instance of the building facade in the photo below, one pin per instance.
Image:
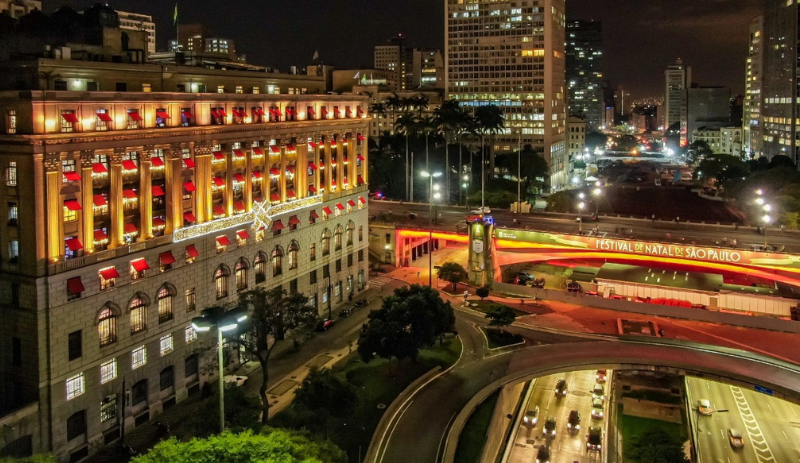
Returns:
(585, 71)
(139, 22)
(130, 212)
(731, 140)
(708, 106)
(427, 69)
(511, 54)
(18, 8)
(395, 57)
(678, 78)
(576, 147)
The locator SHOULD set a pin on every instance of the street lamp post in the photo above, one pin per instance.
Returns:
(328, 288)
(465, 185)
(430, 176)
(581, 205)
(596, 193)
(766, 217)
(224, 322)
(519, 174)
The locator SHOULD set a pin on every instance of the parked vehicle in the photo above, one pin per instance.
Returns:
(325, 324)
(601, 376)
(598, 392)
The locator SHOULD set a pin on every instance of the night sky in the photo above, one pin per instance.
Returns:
(641, 36)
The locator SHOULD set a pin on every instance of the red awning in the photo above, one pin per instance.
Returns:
(274, 197)
(222, 113)
(312, 166)
(140, 265)
(134, 115)
(293, 220)
(109, 273)
(223, 240)
(258, 152)
(70, 117)
(332, 141)
(333, 182)
(290, 194)
(351, 203)
(100, 235)
(275, 149)
(344, 181)
(130, 194)
(99, 200)
(348, 110)
(187, 114)
(72, 205)
(242, 234)
(340, 206)
(236, 113)
(360, 137)
(189, 217)
(313, 144)
(99, 168)
(290, 169)
(74, 244)
(314, 214)
(158, 191)
(327, 210)
(72, 176)
(243, 113)
(360, 157)
(258, 199)
(311, 111)
(129, 165)
(238, 153)
(288, 112)
(312, 188)
(130, 229)
(219, 181)
(157, 161)
(191, 251)
(274, 111)
(362, 200)
(344, 140)
(359, 110)
(219, 210)
(214, 113)
(105, 117)
(274, 172)
(158, 222)
(277, 225)
(75, 286)
(162, 114)
(290, 148)
(360, 179)
(238, 206)
(189, 163)
(219, 155)
(258, 111)
(324, 110)
(256, 174)
(166, 258)
(238, 178)
(189, 187)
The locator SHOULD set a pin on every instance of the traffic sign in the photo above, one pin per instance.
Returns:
(764, 390)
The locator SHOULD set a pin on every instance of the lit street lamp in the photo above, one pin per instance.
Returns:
(430, 176)
(581, 205)
(224, 322)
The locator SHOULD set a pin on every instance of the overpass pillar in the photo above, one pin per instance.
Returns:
(481, 270)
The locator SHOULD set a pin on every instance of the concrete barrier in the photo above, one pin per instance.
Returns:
(508, 403)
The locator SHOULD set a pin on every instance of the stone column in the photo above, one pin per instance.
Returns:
(145, 195)
(328, 167)
(301, 171)
(364, 153)
(87, 201)
(173, 166)
(282, 177)
(202, 180)
(247, 195)
(227, 194)
(55, 208)
(115, 208)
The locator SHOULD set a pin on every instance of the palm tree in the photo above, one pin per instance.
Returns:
(448, 119)
(420, 102)
(427, 126)
(393, 103)
(379, 108)
(407, 124)
(491, 122)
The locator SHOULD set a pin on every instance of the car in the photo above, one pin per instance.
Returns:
(598, 392)
(325, 324)
(601, 376)
(543, 455)
(531, 417)
(735, 438)
(481, 210)
(561, 388)
(522, 278)
(550, 426)
(594, 440)
(574, 420)
(236, 380)
(704, 407)
(597, 409)
(345, 313)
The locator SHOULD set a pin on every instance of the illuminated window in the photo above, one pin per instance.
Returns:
(277, 261)
(190, 334)
(107, 327)
(11, 122)
(108, 371)
(241, 274)
(76, 386)
(294, 248)
(138, 359)
(138, 311)
(108, 408)
(260, 264)
(191, 300)
(337, 238)
(165, 345)
(221, 281)
(350, 228)
(11, 174)
(312, 252)
(164, 305)
(326, 242)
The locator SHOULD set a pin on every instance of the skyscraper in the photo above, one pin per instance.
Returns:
(678, 79)
(512, 55)
(585, 71)
(397, 58)
(139, 22)
(752, 98)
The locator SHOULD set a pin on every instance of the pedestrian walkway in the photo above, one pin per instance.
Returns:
(378, 282)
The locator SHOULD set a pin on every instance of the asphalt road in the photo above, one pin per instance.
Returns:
(769, 425)
(567, 446)
(611, 227)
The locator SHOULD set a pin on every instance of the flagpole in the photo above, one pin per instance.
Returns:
(177, 34)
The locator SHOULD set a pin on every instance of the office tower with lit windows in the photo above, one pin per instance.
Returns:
(751, 121)
(139, 22)
(678, 78)
(395, 57)
(511, 54)
(585, 71)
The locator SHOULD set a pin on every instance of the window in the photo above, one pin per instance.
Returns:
(76, 386)
(138, 357)
(190, 366)
(147, 88)
(361, 255)
(338, 265)
(241, 275)
(108, 408)
(13, 251)
(161, 117)
(360, 233)
(134, 119)
(349, 260)
(11, 122)
(121, 87)
(261, 267)
(108, 371)
(256, 90)
(167, 378)
(294, 248)
(187, 117)
(138, 311)
(191, 299)
(221, 281)
(312, 277)
(293, 286)
(277, 261)
(337, 239)
(326, 242)
(76, 425)
(190, 334)
(108, 277)
(75, 345)
(165, 345)
(102, 119)
(350, 228)
(139, 392)
(164, 305)
(312, 252)
(220, 89)
(11, 174)
(68, 120)
(326, 271)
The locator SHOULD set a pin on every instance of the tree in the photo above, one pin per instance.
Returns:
(722, 167)
(697, 151)
(452, 272)
(272, 313)
(325, 395)
(655, 445)
(501, 315)
(782, 161)
(595, 139)
(407, 124)
(482, 292)
(560, 201)
(490, 121)
(448, 118)
(271, 445)
(533, 167)
(241, 413)
(38, 458)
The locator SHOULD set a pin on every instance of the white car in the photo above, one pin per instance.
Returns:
(235, 379)
(531, 417)
(704, 407)
(481, 210)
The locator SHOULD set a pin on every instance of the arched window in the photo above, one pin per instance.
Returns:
(350, 228)
(221, 281)
(261, 267)
(107, 325)
(138, 311)
(241, 274)
(277, 261)
(337, 238)
(164, 299)
(326, 242)
(294, 248)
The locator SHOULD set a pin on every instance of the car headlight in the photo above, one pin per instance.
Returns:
(577, 426)
(569, 425)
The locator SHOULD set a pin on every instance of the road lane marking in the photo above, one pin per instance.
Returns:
(758, 442)
(405, 409)
(444, 434)
(742, 345)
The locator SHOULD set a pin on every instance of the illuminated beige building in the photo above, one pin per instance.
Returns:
(127, 212)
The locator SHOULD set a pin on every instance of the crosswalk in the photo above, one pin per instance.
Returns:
(378, 282)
